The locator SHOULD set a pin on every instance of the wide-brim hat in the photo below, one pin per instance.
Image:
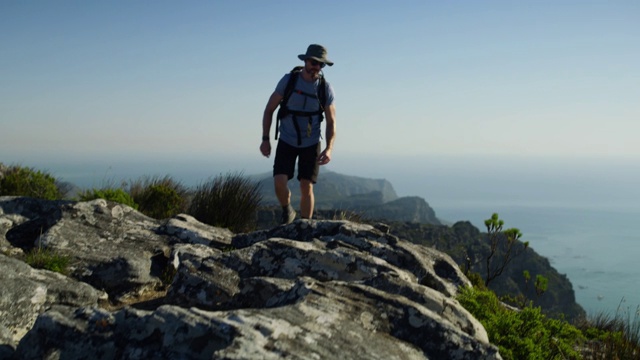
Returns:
(316, 52)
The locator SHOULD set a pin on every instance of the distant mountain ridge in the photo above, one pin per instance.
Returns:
(373, 198)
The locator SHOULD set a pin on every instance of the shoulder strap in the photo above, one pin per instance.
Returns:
(291, 84)
(288, 90)
(322, 92)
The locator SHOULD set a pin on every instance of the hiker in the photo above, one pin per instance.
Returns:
(303, 96)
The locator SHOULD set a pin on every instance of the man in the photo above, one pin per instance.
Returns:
(300, 131)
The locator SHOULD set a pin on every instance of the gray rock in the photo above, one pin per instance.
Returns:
(189, 230)
(113, 247)
(330, 320)
(311, 289)
(27, 292)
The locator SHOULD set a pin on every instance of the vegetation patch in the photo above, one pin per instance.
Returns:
(44, 258)
(522, 334)
(111, 194)
(24, 181)
(613, 336)
(159, 198)
(168, 274)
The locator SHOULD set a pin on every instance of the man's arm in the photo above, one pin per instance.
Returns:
(267, 119)
(330, 133)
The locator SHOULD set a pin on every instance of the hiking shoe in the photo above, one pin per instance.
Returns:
(288, 215)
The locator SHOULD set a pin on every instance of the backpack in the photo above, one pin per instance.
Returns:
(284, 110)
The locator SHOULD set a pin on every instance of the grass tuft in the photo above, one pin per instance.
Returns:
(159, 197)
(230, 201)
(613, 336)
(43, 258)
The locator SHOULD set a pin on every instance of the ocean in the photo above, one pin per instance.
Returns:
(582, 214)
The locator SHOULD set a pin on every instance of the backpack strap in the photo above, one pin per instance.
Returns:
(322, 92)
(288, 90)
(322, 95)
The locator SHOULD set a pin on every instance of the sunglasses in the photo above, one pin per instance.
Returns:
(317, 63)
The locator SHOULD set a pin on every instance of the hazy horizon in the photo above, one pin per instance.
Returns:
(443, 181)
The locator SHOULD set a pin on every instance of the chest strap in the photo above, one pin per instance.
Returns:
(309, 114)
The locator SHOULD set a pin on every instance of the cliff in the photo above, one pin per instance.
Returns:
(177, 288)
(374, 199)
(470, 247)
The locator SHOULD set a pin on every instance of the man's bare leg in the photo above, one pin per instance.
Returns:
(284, 197)
(282, 190)
(307, 199)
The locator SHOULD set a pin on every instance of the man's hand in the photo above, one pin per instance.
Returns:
(265, 148)
(324, 157)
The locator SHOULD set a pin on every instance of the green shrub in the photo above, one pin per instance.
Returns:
(524, 334)
(111, 194)
(159, 198)
(23, 181)
(476, 280)
(43, 258)
(229, 201)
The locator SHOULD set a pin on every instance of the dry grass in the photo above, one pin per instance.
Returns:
(613, 336)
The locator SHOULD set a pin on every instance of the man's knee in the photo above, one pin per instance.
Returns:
(306, 187)
(280, 181)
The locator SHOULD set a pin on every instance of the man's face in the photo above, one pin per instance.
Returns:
(313, 67)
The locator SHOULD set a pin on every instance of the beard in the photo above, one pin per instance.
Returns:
(312, 71)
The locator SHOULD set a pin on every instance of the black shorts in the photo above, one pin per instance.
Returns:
(285, 161)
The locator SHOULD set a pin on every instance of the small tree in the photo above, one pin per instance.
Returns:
(540, 285)
(520, 300)
(503, 240)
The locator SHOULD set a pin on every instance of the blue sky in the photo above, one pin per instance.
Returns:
(186, 80)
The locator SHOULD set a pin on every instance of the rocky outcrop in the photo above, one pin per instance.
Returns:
(140, 288)
(27, 292)
(412, 209)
